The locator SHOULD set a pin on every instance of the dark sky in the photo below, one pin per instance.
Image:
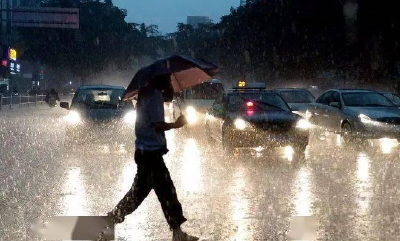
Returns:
(167, 13)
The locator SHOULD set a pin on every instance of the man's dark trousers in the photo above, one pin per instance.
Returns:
(153, 174)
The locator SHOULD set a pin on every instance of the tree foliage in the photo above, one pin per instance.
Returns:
(260, 39)
(105, 41)
(300, 39)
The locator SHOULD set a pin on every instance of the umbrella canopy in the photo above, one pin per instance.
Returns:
(184, 73)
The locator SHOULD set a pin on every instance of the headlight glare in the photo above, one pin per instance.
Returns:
(73, 117)
(130, 117)
(303, 124)
(191, 115)
(240, 124)
(365, 119)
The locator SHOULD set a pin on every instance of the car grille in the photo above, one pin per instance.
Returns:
(390, 120)
(274, 126)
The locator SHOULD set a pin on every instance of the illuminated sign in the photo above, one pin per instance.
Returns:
(12, 54)
(14, 67)
(241, 83)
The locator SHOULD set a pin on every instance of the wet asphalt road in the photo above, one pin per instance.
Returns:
(352, 191)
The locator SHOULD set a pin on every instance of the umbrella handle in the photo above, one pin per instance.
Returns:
(179, 103)
(180, 107)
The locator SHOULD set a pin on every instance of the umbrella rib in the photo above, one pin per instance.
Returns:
(177, 82)
(179, 105)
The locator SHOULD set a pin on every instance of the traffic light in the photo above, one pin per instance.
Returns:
(4, 72)
(42, 72)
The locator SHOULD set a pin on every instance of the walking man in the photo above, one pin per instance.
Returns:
(151, 145)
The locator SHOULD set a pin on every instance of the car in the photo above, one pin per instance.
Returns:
(395, 98)
(297, 98)
(97, 114)
(247, 117)
(195, 102)
(356, 114)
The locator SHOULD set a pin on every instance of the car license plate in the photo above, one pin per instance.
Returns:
(278, 137)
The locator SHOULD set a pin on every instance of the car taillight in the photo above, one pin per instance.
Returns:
(249, 104)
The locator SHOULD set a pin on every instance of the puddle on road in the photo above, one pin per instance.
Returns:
(191, 176)
(240, 207)
(73, 203)
(303, 194)
(363, 183)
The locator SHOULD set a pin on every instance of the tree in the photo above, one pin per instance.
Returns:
(104, 41)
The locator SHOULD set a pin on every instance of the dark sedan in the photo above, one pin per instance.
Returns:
(254, 118)
(98, 114)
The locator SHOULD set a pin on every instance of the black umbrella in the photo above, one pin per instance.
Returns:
(184, 73)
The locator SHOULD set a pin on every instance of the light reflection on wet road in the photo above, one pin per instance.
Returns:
(353, 191)
(303, 195)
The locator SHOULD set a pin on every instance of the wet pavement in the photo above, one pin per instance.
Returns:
(352, 191)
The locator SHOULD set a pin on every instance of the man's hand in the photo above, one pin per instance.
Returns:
(180, 122)
(162, 126)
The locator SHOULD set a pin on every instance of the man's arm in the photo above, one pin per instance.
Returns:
(163, 126)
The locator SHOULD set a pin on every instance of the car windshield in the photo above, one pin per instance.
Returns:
(262, 101)
(366, 99)
(296, 96)
(205, 91)
(394, 98)
(98, 97)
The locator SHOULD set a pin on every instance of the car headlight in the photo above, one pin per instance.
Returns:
(191, 115)
(365, 119)
(73, 117)
(308, 115)
(130, 117)
(240, 124)
(303, 124)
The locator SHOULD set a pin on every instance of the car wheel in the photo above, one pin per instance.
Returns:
(346, 133)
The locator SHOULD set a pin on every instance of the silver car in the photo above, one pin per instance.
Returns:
(356, 114)
(195, 102)
(297, 98)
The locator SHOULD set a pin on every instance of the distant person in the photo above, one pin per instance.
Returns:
(15, 91)
(152, 173)
(52, 98)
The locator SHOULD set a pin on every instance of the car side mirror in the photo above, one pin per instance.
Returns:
(64, 105)
(218, 109)
(335, 104)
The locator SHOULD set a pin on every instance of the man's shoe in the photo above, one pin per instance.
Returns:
(182, 236)
(116, 216)
(101, 237)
